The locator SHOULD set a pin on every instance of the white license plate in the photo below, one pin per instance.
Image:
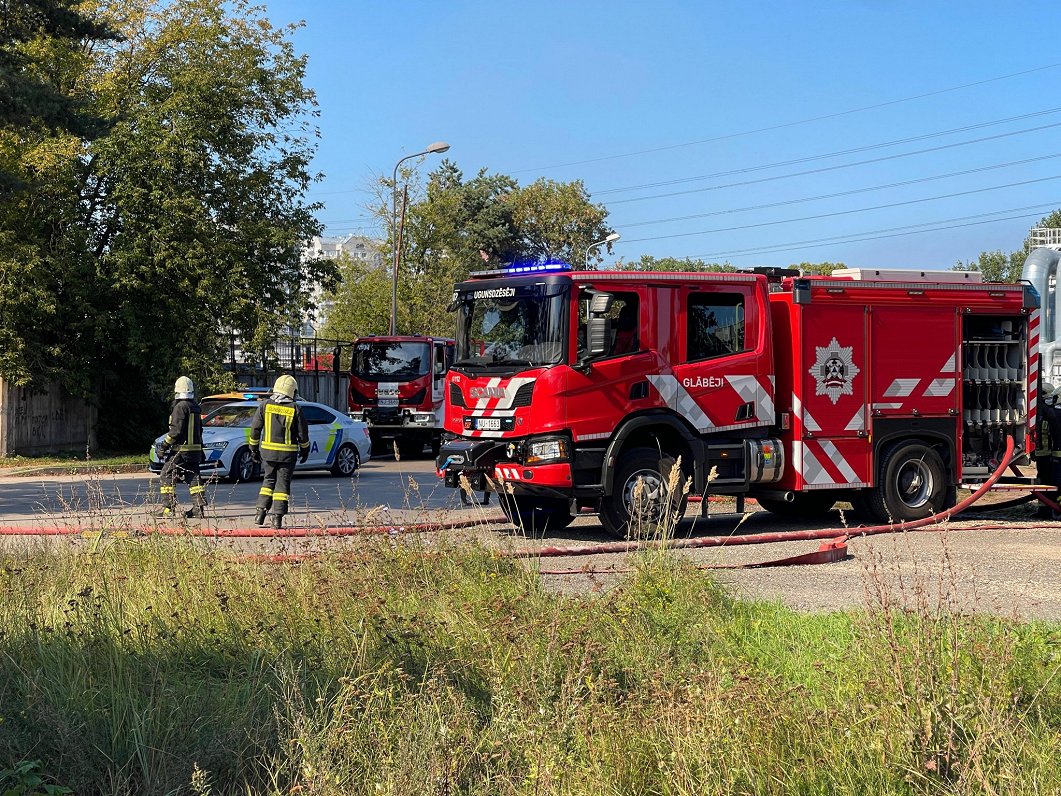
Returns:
(388, 402)
(488, 424)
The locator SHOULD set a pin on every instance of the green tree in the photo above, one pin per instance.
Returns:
(823, 269)
(183, 221)
(361, 304)
(650, 263)
(458, 226)
(557, 221)
(35, 37)
(997, 266)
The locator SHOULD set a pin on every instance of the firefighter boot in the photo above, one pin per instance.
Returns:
(196, 513)
(259, 517)
(278, 521)
(164, 513)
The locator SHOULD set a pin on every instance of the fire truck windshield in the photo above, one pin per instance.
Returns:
(508, 327)
(388, 361)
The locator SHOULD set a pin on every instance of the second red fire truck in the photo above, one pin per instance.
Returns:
(396, 386)
(575, 389)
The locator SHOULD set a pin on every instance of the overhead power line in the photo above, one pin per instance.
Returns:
(847, 212)
(838, 194)
(839, 166)
(892, 232)
(787, 125)
(826, 155)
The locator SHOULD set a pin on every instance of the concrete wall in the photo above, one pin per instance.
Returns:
(43, 421)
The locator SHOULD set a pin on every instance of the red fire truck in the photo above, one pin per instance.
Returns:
(887, 389)
(396, 387)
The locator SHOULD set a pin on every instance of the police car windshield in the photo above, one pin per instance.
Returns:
(386, 361)
(230, 417)
(508, 328)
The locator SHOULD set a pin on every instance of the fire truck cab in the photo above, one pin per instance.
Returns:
(396, 387)
(584, 388)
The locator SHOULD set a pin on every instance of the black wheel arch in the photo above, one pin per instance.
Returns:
(661, 430)
(939, 433)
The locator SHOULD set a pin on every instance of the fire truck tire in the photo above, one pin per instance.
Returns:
(537, 514)
(912, 484)
(808, 505)
(658, 504)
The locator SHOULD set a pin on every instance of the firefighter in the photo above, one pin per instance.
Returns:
(181, 452)
(280, 429)
(1048, 451)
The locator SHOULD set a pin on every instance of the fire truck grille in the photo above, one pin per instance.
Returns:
(523, 395)
(456, 397)
(414, 399)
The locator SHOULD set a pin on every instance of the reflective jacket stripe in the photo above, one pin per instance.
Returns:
(277, 435)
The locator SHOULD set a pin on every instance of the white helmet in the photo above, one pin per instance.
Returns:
(286, 386)
(183, 388)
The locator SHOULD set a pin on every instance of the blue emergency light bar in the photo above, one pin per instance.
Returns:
(512, 270)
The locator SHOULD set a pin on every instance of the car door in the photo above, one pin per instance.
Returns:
(320, 422)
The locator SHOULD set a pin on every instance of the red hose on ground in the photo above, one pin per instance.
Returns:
(264, 533)
(766, 538)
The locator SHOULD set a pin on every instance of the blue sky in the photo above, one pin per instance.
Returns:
(622, 95)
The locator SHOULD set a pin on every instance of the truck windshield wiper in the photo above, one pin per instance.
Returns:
(474, 361)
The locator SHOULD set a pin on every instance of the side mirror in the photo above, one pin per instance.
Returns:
(599, 334)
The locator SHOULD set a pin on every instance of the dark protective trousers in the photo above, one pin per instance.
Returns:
(275, 492)
(183, 468)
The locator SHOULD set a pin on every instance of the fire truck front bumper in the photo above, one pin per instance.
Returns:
(487, 463)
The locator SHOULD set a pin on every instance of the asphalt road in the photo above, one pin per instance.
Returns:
(1004, 563)
(382, 485)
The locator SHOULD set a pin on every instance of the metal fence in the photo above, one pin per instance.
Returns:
(320, 365)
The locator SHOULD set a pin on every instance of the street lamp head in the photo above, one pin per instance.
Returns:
(612, 238)
(437, 148)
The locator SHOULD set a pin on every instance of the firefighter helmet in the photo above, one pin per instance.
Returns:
(183, 388)
(286, 385)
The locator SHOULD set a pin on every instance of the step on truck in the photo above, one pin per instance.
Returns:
(887, 389)
(396, 387)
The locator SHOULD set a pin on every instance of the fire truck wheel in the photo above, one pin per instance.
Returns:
(641, 504)
(808, 505)
(912, 484)
(536, 514)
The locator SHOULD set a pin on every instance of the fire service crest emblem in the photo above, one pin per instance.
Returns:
(834, 371)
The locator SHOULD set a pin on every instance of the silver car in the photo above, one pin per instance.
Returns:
(338, 443)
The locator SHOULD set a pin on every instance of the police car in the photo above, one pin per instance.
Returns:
(338, 443)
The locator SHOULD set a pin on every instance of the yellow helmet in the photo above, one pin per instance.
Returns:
(286, 385)
(183, 388)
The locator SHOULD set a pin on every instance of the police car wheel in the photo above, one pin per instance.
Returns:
(243, 466)
(346, 461)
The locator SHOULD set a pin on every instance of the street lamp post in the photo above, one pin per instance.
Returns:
(436, 148)
(610, 239)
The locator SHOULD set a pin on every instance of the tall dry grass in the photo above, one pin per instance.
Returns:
(160, 667)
